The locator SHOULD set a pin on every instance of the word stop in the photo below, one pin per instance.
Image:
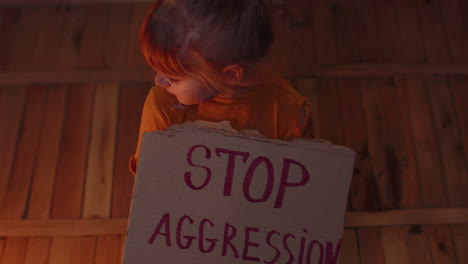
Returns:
(232, 156)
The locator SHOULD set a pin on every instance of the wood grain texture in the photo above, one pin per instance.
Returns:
(449, 139)
(68, 53)
(44, 173)
(417, 244)
(50, 32)
(323, 25)
(400, 156)
(71, 165)
(9, 18)
(61, 249)
(37, 251)
(84, 250)
(13, 251)
(388, 196)
(367, 30)
(433, 188)
(12, 101)
(388, 32)
(394, 245)
(412, 48)
(435, 39)
(349, 250)
(132, 97)
(135, 58)
(118, 36)
(93, 43)
(344, 17)
(108, 249)
(455, 28)
(460, 239)
(98, 189)
(362, 191)
(24, 39)
(15, 199)
(441, 244)
(370, 245)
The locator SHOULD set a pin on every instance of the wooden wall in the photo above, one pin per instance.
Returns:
(388, 78)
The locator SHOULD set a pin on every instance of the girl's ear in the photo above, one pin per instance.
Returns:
(234, 72)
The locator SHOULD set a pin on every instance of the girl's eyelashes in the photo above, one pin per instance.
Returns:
(171, 80)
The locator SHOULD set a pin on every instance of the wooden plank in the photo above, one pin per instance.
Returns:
(460, 238)
(15, 199)
(324, 32)
(9, 21)
(132, 97)
(417, 245)
(61, 250)
(367, 30)
(339, 70)
(393, 241)
(441, 244)
(435, 39)
(38, 250)
(98, 192)
(63, 227)
(11, 113)
(449, 139)
(117, 226)
(452, 20)
(135, 58)
(362, 193)
(344, 17)
(84, 250)
(116, 51)
(108, 249)
(387, 194)
(71, 39)
(400, 157)
(93, 38)
(44, 172)
(433, 189)
(2, 246)
(388, 31)
(407, 217)
(49, 37)
(14, 249)
(24, 39)
(412, 48)
(459, 91)
(370, 242)
(349, 250)
(69, 180)
(330, 113)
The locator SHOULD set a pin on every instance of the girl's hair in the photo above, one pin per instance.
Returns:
(197, 38)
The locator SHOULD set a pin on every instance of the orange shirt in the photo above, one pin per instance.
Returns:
(276, 111)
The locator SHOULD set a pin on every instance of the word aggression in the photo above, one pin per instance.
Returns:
(242, 242)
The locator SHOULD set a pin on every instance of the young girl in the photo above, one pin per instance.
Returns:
(209, 59)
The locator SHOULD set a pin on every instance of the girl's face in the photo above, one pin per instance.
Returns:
(187, 91)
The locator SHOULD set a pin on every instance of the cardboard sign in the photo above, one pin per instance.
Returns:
(215, 196)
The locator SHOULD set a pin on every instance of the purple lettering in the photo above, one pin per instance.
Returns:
(310, 249)
(247, 244)
(179, 233)
(331, 258)
(277, 254)
(157, 231)
(284, 180)
(188, 175)
(228, 236)
(201, 236)
(285, 244)
(249, 175)
(230, 167)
